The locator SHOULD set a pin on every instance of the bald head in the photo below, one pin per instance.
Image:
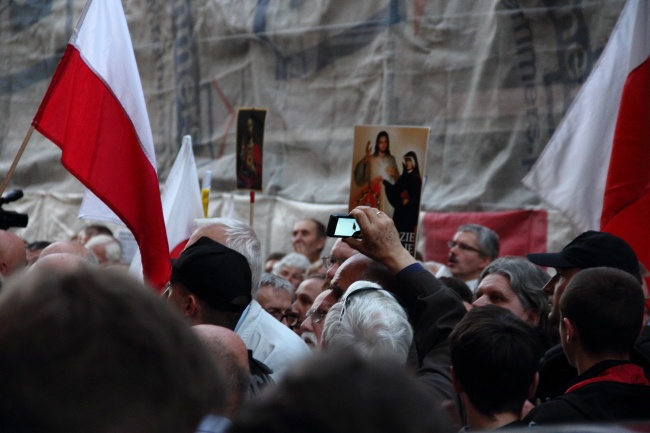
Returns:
(61, 262)
(13, 255)
(231, 357)
(70, 247)
(360, 267)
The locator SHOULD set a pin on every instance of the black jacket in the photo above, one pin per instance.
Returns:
(599, 401)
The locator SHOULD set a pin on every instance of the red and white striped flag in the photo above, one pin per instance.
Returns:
(181, 202)
(596, 168)
(95, 111)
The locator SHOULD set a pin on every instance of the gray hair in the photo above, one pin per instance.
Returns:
(241, 238)
(526, 280)
(486, 239)
(294, 260)
(277, 283)
(112, 247)
(373, 323)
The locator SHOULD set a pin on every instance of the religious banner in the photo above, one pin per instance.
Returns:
(386, 174)
(250, 144)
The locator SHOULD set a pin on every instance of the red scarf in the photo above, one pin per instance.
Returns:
(624, 373)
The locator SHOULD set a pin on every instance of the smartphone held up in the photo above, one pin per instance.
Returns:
(343, 226)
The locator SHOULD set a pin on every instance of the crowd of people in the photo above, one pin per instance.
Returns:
(363, 338)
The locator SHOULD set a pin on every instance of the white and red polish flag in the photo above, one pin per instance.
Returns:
(95, 111)
(181, 203)
(596, 168)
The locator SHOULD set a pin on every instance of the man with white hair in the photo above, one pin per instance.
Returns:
(292, 268)
(107, 249)
(222, 244)
(370, 320)
(433, 309)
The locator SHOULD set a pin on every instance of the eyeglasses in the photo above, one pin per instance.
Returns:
(463, 246)
(167, 290)
(290, 319)
(329, 261)
(316, 316)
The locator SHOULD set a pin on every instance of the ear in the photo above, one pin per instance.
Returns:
(321, 242)
(4, 268)
(485, 261)
(455, 382)
(569, 329)
(533, 386)
(532, 317)
(191, 306)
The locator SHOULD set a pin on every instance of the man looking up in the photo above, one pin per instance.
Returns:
(472, 248)
(308, 238)
(601, 315)
(339, 253)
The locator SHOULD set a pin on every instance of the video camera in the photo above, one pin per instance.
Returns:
(10, 218)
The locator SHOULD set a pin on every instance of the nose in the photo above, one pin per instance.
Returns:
(307, 325)
(480, 301)
(331, 271)
(549, 288)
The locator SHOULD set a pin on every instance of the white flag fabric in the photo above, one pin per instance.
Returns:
(596, 168)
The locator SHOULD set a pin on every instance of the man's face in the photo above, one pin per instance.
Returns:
(464, 260)
(349, 272)
(340, 253)
(383, 144)
(306, 293)
(495, 289)
(276, 302)
(305, 240)
(312, 327)
(554, 289)
(293, 275)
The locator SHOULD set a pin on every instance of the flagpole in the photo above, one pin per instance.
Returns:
(252, 208)
(15, 163)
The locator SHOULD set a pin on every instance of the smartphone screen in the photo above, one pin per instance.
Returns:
(343, 226)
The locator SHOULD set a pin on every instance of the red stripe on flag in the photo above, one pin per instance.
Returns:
(100, 147)
(626, 205)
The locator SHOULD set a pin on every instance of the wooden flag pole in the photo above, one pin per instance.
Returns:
(252, 209)
(15, 163)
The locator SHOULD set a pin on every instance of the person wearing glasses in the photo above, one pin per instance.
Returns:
(306, 293)
(312, 327)
(276, 295)
(472, 248)
(339, 253)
